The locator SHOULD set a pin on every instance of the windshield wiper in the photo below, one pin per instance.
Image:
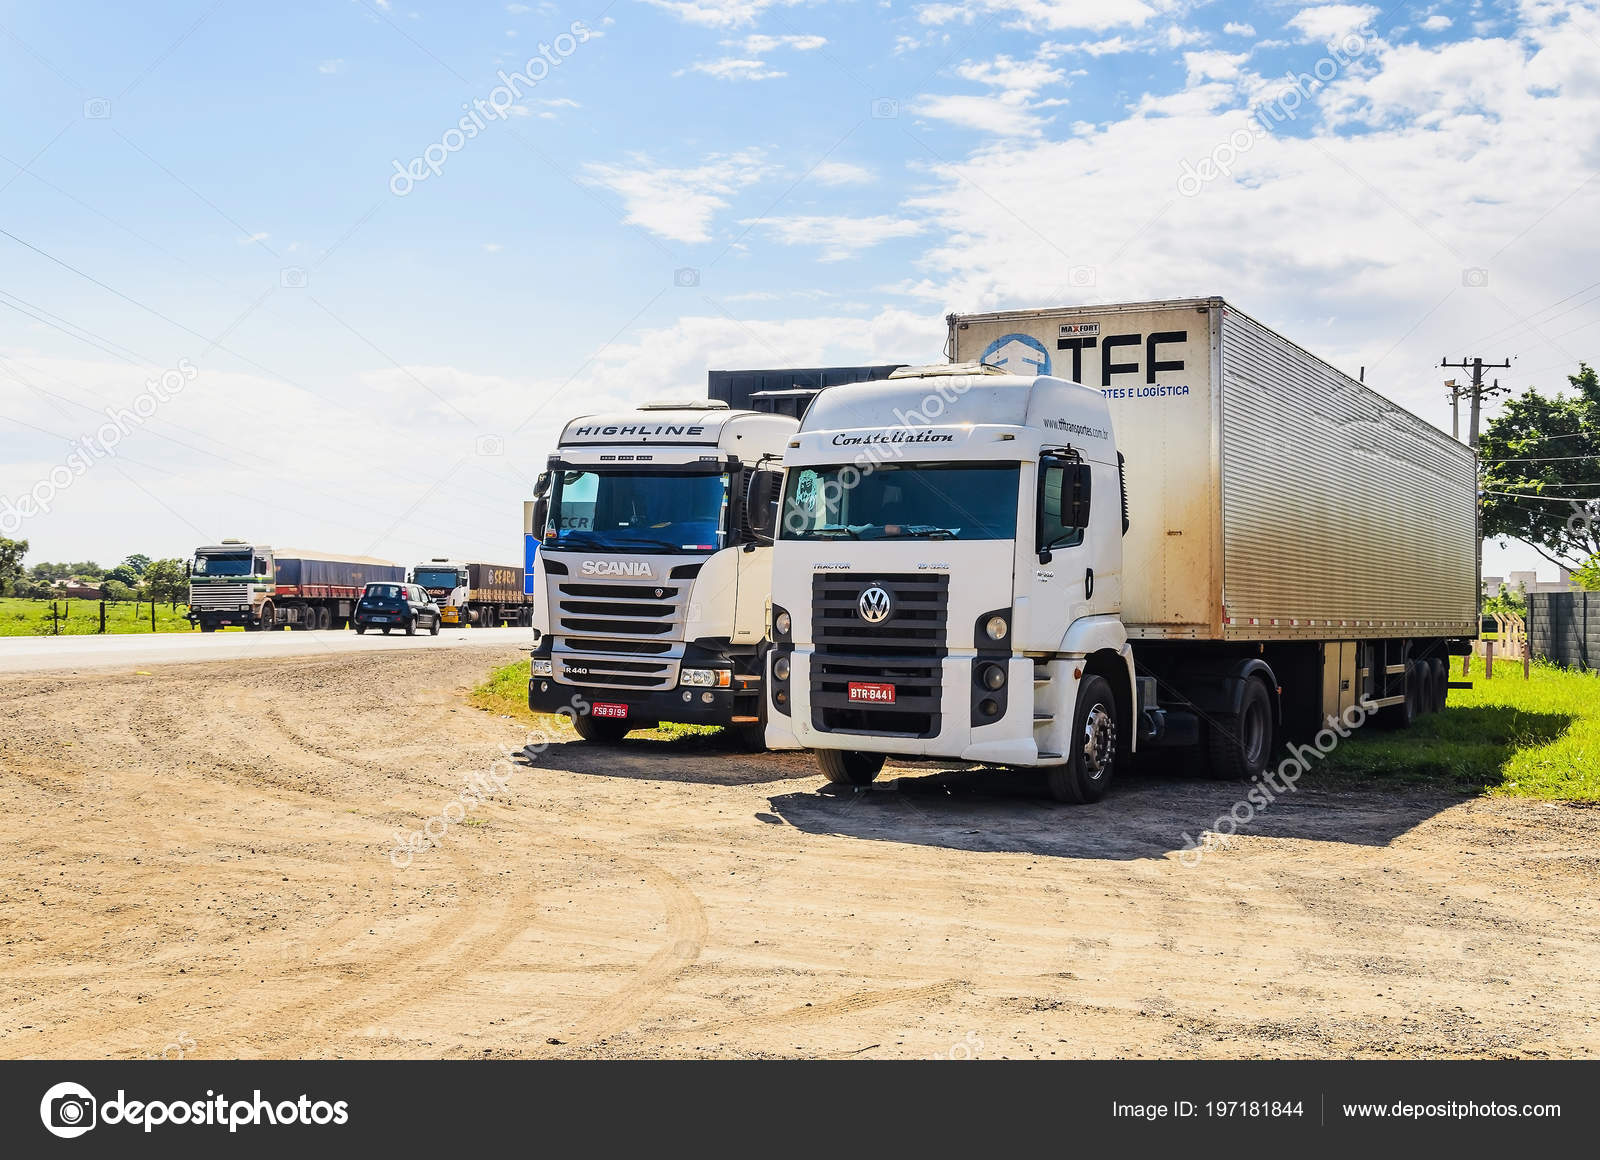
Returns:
(923, 531)
(839, 531)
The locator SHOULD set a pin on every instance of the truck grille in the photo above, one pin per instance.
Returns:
(219, 596)
(905, 650)
(620, 610)
(612, 672)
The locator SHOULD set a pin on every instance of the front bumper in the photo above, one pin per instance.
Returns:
(549, 696)
(1016, 737)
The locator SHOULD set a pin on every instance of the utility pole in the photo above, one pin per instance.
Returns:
(1455, 391)
(1477, 390)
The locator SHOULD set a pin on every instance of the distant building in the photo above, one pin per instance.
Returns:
(1528, 582)
(75, 590)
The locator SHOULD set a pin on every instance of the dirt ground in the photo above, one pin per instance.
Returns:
(199, 862)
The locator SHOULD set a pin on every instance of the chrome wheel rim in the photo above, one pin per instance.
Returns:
(1099, 741)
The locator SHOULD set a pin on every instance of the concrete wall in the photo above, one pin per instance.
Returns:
(1565, 627)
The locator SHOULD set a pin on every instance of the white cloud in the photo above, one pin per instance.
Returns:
(1438, 22)
(1328, 22)
(734, 69)
(329, 67)
(517, 9)
(719, 13)
(839, 237)
(1043, 15)
(842, 173)
(679, 204)
(252, 239)
(1012, 109)
(759, 44)
(492, 247)
(1239, 28)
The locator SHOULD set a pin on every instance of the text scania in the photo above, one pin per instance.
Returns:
(216, 1109)
(615, 568)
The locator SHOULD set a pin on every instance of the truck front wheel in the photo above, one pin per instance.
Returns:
(602, 730)
(1093, 756)
(1238, 748)
(848, 766)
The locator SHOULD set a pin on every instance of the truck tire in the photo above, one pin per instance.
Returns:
(269, 617)
(1238, 748)
(600, 730)
(848, 766)
(748, 738)
(207, 627)
(1092, 759)
(1441, 683)
(1402, 715)
(325, 618)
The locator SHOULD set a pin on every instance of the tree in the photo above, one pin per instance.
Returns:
(125, 574)
(1541, 472)
(166, 581)
(1588, 576)
(137, 562)
(11, 573)
(116, 591)
(87, 569)
(1507, 601)
(46, 573)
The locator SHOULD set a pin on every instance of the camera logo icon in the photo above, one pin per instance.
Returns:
(97, 109)
(1475, 277)
(685, 276)
(885, 108)
(490, 445)
(1082, 275)
(68, 1110)
(293, 278)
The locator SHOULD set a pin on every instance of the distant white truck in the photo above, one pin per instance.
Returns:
(1173, 527)
(650, 589)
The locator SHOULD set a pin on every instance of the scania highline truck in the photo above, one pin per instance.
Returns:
(650, 588)
(1106, 528)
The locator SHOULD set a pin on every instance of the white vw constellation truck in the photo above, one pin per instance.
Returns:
(1112, 527)
(650, 587)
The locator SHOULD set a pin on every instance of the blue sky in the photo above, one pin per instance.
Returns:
(212, 182)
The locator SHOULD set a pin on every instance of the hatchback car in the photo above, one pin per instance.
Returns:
(391, 606)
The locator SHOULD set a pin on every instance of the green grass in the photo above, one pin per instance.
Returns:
(505, 693)
(19, 617)
(1506, 737)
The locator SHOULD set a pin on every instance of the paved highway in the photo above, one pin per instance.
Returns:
(31, 654)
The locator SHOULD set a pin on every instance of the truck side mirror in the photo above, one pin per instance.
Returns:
(761, 495)
(1063, 511)
(541, 514)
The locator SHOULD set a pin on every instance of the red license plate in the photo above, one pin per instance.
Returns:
(871, 694)
(608, 711)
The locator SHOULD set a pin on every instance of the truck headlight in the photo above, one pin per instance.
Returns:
(996, 628)
(542, 667)
(782, 624)
(780, 668)
(994, 677)
(706, 678)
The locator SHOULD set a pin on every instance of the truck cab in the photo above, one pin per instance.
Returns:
(947, 579)
(650, 584)
(229, 584)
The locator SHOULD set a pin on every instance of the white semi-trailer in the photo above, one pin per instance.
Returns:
(1166, 525)
(650, 587)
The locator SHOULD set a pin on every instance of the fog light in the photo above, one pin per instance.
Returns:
(544, 686)
(989, 707)
(781, 697)
(783, 624)
(780, 668)
(543, 667)
(708, 697)
(996, 628)
(688, 696)
(994, 677)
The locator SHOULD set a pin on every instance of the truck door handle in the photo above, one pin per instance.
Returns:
(1088, 583)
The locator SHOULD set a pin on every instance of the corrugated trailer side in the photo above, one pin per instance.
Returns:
(501, 583)
(1343, 514)
(320, 575)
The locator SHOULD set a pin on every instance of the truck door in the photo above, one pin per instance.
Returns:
(1063, 585)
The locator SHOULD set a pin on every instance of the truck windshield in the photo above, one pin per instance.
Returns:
(438, 578)
(636, 511)
(891, 501)
(232, 564)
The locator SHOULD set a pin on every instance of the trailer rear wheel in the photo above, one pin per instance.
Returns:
(849, 767)
(1441, 683)
(1238, 748)
(325, 618)
(600, 730)
(1092, 757)
(1402, 715)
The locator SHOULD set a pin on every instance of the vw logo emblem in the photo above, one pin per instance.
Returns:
(875, 605)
